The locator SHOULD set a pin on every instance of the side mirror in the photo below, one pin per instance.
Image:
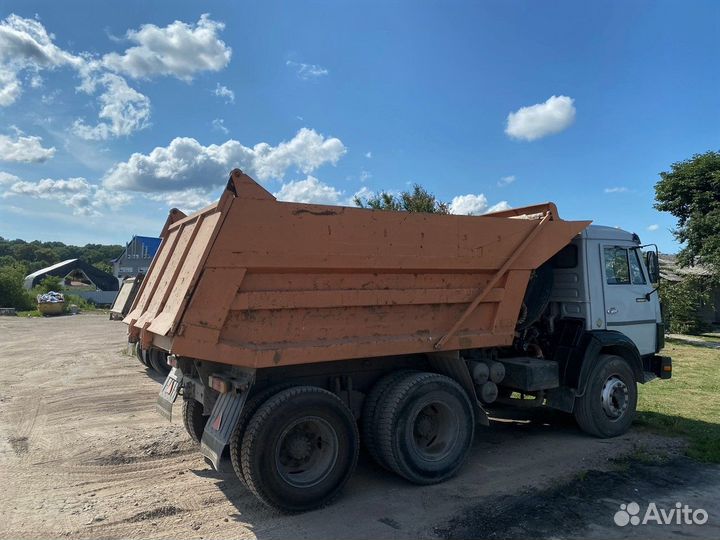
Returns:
(653, 266)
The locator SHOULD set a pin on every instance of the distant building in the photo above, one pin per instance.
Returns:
(136, 258)
(79, 278)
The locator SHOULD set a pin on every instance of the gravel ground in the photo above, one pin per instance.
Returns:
(84, 455)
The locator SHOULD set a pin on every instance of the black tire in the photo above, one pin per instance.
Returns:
(140, 355)
(425, 427)
(158, 361)
(299, 449)
(251, 406)
(607, 407)
(194, 419)
(370, 411)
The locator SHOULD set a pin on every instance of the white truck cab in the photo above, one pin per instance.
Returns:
(603, 278)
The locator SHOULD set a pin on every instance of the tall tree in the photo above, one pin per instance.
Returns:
(690, 191)
(417, 200)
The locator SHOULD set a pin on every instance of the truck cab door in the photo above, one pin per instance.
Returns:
(625, 284)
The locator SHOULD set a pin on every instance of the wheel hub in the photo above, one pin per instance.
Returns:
(299, 447)
(615, 397)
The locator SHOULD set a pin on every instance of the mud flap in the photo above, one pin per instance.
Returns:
(169, 393)
(220, 426)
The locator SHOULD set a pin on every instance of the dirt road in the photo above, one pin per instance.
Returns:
(84, 455)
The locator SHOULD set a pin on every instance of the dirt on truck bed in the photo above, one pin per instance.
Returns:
(83, 454)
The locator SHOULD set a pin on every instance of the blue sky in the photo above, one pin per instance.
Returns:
(111, 113)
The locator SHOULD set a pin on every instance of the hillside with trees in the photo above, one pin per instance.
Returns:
(19, 258)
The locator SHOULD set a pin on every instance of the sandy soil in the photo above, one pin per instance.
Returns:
(83, 454)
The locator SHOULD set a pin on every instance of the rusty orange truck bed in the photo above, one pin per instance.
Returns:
(296, 330)
(259, 283)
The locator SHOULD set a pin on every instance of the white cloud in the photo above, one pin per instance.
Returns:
(536, 121)
(123, 109)
(653, 227)
(7, 178)
(473, 205)
(499, 207)
(307, 71)
(219, 125)
(365, 176)
(25, 44)
(188, 200)
(616, 190)
(180, 50)
(83, 198)
(310, 190)
(469, 204)
(24, 149)
(185, 163)
(506, 181)
(368, 155)
(225, 93)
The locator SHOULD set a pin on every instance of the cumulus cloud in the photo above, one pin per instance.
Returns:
(310, 190)
(506, 181)
(188, 200)
(653, 227)
(24, 149)
(499, 207)
(123, 110)
(307, 71)
(180, 50)
(619, 189)
(185, 163)
(473, 205)
(225, 93)
(25, 44)
(537, 121)
(76, 193)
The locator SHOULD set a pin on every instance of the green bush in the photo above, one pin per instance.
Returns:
(49, 283)
(682, 301)
(12, 292)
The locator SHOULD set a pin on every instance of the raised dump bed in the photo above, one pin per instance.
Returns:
(295, 329)
(255, 282)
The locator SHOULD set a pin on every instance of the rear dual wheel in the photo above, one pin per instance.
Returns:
(299, 449)
(425, 427)
(158, 361)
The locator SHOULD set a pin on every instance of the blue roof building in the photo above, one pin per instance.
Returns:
(136, 258)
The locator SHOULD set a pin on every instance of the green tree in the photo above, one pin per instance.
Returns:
(49, 283)
(12, 292)
(690, 191)
(681, 301)
(417, 200)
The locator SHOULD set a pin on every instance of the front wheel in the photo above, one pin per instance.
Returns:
(607, 408)
(299, 449)
(194, 419)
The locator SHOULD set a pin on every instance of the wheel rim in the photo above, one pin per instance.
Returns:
(306, 452)
(435, 430)
(615, 397)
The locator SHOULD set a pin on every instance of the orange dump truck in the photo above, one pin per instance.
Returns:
(294, 331)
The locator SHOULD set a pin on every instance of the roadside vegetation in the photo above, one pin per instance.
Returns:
(19, 258)
(688, 404)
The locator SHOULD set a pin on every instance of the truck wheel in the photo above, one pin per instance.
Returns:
(140, 354)
(194, 419)
(158, 361)
(370, 411)
(248, 411)
(425, 427)
(300, 449)
(607, 408)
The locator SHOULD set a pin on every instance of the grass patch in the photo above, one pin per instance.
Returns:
(31, 313)
(689, 403)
